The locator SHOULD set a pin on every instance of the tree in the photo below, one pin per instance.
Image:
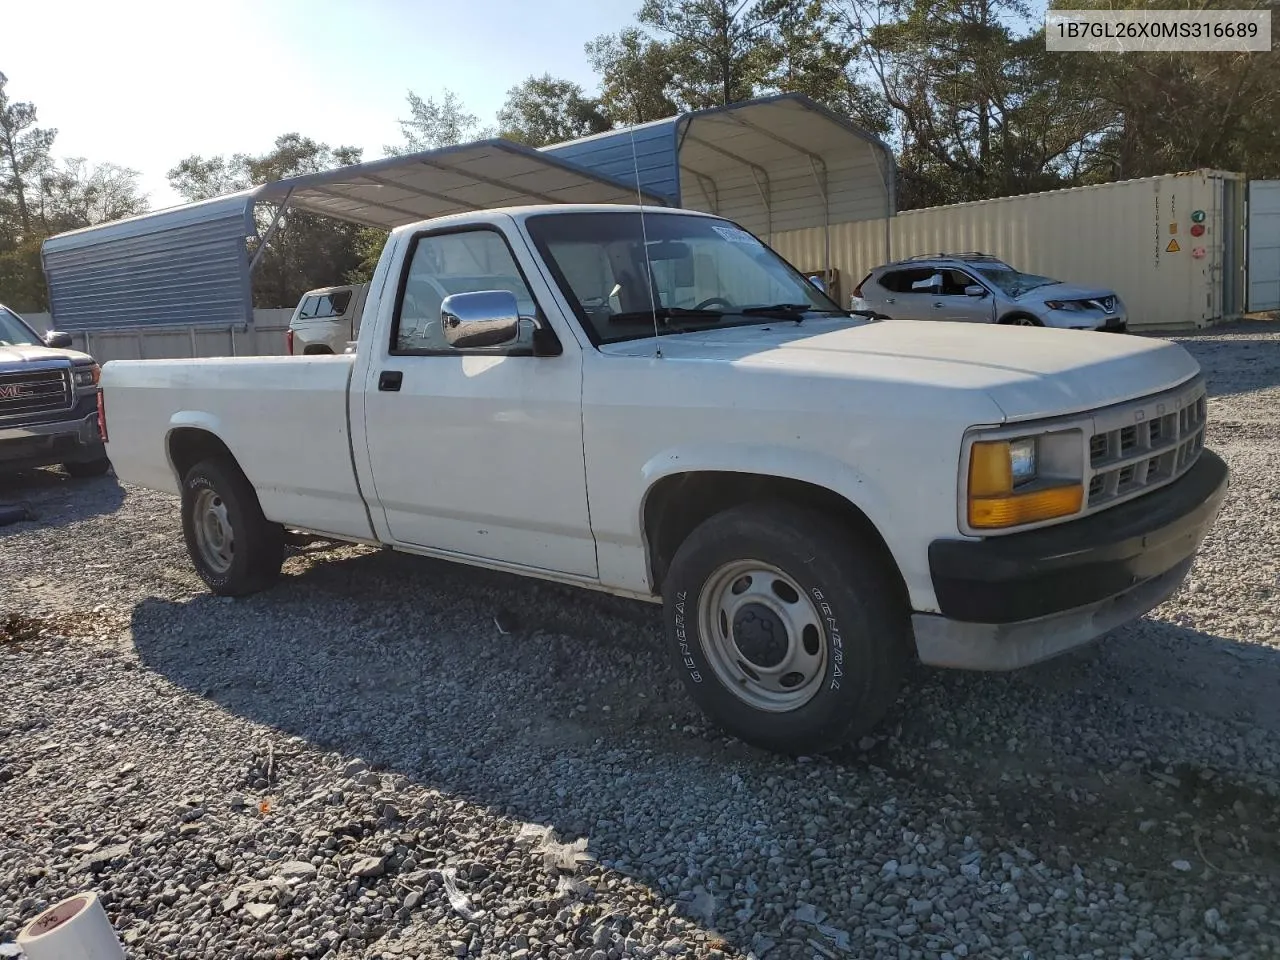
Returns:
(544, 110)
(720, 49)
(976, 107)
(24, 153)
(79, 194)
(311, 251)
(637, 76)
(811, 52)
(1176, 111)
(432, 124)
(40, 196)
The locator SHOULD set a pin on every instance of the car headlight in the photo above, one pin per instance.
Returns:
(1021, 480)
(87, 375)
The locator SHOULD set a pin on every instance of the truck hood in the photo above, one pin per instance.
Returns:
(25, 354)
(1029, 372)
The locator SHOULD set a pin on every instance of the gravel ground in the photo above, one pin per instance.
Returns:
(390, 757)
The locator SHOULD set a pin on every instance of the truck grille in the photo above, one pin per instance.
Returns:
(31, 391)
(1145, 444)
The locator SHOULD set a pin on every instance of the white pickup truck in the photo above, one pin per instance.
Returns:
(653, 403)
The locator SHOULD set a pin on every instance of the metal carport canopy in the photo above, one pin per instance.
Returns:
(188, 265)
(475, 176)
(783, 163)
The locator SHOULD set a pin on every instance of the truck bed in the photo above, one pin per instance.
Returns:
(285, 417)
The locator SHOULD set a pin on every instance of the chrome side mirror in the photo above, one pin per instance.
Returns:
(485, 318)
(58, 340)
(975, 290)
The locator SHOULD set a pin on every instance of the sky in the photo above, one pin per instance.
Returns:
(144, 84)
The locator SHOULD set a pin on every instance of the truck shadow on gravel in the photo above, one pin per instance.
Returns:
(54, 499)
(515, 694)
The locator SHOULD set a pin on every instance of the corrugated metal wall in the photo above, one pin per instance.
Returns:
(1115, 235)
(185, 266)
(611, 154)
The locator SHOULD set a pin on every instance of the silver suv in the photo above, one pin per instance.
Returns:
(978, 288)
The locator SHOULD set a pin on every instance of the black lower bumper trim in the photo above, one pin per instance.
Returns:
(1041, 572)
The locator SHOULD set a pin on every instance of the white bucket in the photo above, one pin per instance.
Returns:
(76, 928)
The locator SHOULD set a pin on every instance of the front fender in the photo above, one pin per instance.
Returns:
(788, 464)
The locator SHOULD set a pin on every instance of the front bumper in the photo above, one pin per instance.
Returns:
(43, 444)
(1006, 602)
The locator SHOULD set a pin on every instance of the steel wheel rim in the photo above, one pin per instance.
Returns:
(214, 536)
(762, 636)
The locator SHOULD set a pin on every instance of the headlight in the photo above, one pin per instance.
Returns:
(1025, 480)
(87, 376)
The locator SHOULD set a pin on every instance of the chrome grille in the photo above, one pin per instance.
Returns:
(31, 391)
(1145, 444)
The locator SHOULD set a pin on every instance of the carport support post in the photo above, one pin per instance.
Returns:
(271, 231)
(821, 181)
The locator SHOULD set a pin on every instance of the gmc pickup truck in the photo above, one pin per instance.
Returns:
(655, 404)
(48, 402)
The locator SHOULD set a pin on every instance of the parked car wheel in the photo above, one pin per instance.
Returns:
(235, 549)
(1021, 320)
(88, 468)
(786, 629)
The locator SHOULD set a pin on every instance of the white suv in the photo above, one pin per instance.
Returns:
(326, 320)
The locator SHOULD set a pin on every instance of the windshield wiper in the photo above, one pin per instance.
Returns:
(789, 311)
(664, 313)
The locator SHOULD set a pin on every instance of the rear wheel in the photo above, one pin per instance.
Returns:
(786, 629)
(234, 548)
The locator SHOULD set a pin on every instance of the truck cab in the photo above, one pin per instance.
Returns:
(48, 402)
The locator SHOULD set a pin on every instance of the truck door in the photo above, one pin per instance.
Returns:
(476, 452)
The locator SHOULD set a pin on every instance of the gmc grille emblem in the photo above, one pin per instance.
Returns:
(11, 391)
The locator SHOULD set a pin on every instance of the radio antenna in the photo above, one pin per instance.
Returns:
(644, 236)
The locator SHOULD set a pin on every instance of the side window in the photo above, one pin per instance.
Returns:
(308, 308)
(340, 301)
(915, 280)
(954, 283)
(463, 262)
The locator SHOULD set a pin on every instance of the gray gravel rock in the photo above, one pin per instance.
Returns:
(358, 763)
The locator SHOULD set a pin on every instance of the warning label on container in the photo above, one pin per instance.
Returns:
(1172, 247)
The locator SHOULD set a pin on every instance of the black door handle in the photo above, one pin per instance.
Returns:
(390, 380)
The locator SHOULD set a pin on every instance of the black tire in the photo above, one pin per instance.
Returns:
(865, 624)
(88, 468)
(257, 546)
(1020, 320)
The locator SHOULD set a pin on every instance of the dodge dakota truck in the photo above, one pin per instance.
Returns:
(653, 403)
(48, 402)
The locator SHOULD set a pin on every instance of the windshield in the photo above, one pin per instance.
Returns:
(706, 273)
(1012, 282)
(15, 333)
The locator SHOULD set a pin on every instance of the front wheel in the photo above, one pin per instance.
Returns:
(789, 631)
(88, 468)
(234, 548)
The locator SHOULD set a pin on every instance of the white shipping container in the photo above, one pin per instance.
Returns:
(1134, 236)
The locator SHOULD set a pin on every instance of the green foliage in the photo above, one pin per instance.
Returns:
(545, 110)
(433, 124)
(636, 76)
(40, 196)
(310, 251)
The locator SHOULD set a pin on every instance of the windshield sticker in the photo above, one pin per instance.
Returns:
(734, 235)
